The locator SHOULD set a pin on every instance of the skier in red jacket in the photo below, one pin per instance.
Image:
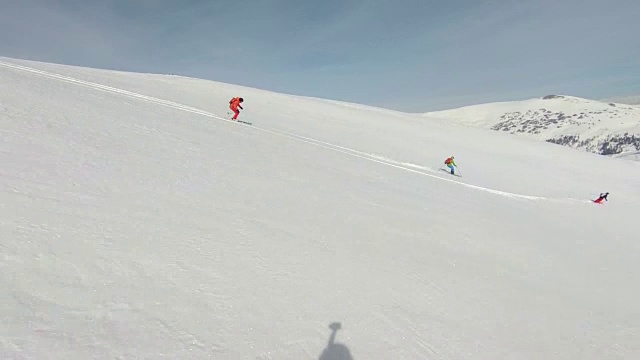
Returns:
(601, 197)
(234, 104)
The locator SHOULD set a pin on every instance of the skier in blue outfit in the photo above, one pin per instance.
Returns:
(451, 164)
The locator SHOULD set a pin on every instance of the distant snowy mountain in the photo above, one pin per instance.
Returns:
(629, 100)
(594, 126)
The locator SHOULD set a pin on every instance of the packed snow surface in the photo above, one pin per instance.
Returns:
(138, 222)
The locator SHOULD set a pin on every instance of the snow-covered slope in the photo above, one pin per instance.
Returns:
(137, 222)
(598, 127)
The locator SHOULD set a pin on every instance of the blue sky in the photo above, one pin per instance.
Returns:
(410, 55)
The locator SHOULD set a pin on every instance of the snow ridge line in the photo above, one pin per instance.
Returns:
(341, 149)
(109, 89)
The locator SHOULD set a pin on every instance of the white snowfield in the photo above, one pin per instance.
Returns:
(601, 127)
(138, 222)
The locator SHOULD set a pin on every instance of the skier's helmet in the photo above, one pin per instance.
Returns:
(241, 100)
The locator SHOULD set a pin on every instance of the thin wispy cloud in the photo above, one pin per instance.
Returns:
(412, 55)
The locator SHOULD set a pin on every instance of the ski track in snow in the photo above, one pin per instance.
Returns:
(417, 169)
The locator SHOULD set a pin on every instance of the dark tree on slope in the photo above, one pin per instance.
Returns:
(615, 144)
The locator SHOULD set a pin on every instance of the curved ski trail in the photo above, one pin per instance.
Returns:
(413, 168)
